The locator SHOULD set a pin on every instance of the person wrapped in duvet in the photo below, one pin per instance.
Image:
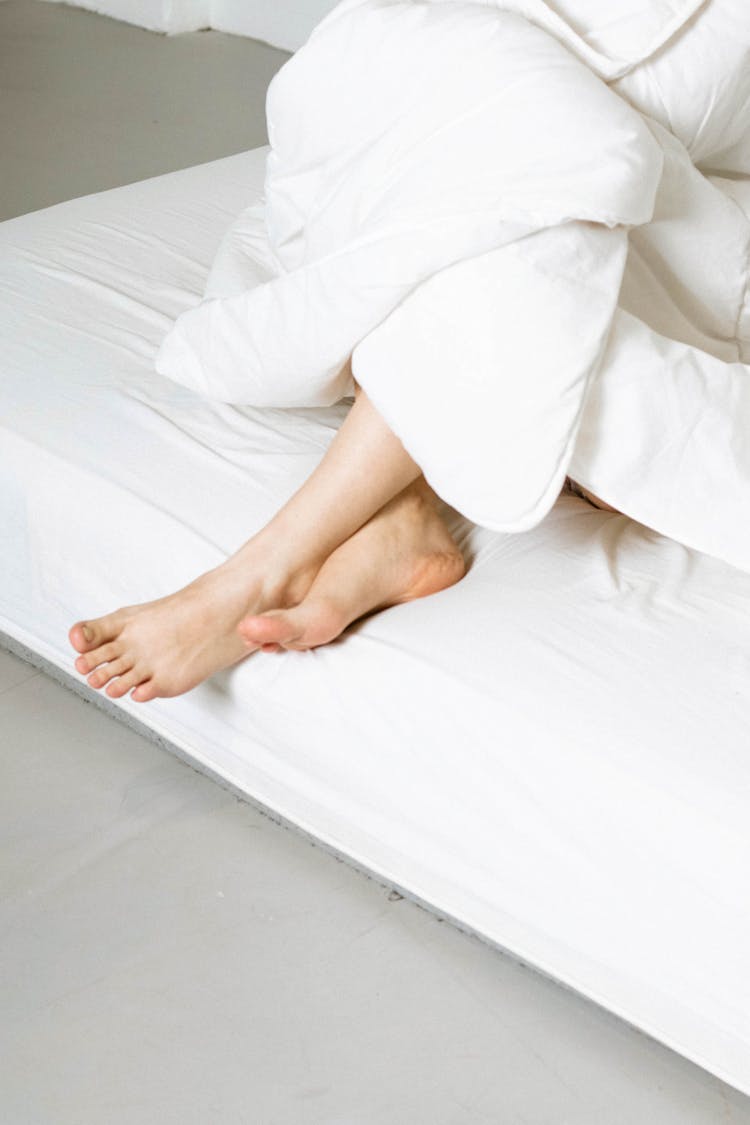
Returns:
(520, 232)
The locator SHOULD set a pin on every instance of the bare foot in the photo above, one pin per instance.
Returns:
(168, 646)
(404, 552)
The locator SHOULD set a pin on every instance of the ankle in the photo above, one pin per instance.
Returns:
(283, 571)
(284, 590)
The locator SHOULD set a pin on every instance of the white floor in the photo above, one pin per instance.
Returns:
(169, 953)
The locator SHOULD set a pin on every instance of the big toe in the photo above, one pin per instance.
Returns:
(277, 627)
(312, 623)
(85, 635)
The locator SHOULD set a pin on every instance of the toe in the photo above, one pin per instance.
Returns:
(106, 672)
(87, 635)
(122, 685)
(144, 692)
(277, 627)
(314, 622)
(87, 663)
(81, 636)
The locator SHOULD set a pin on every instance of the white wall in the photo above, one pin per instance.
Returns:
(284, 23)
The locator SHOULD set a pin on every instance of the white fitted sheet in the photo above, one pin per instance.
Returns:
(554, 752)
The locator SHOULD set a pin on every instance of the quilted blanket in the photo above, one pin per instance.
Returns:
(529, 225)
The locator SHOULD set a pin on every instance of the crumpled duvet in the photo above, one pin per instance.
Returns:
(528, 224)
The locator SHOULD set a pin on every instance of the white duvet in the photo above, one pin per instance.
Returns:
(530, 224)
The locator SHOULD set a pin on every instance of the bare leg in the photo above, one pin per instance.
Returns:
(365, 467)
(168, 646)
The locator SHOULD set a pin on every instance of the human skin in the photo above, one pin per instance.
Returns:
(364, 532)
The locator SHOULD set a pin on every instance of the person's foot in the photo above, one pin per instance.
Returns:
(404, 552)
(168, 646)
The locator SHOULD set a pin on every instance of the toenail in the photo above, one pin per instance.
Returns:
(87, 633)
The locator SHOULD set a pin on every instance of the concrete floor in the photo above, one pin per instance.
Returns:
(88, 103)
(169, 953)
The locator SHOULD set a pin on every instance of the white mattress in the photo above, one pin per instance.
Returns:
(554, 752)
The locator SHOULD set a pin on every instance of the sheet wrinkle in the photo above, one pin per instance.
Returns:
(106, 339)
(143, 284)
(87, 283)
(139, 238)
